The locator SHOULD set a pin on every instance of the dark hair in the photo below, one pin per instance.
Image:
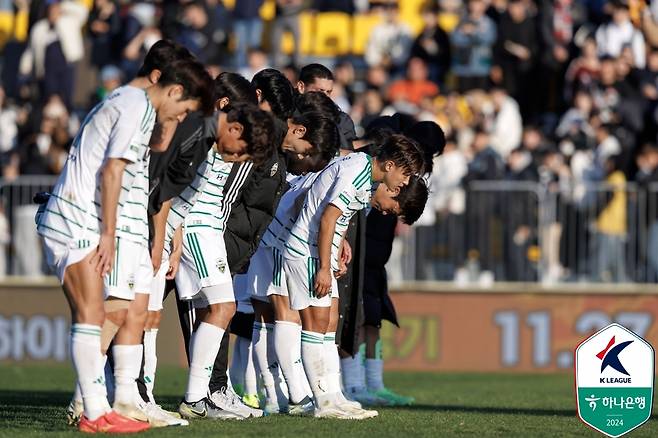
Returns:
(316, 101)
(257, 129)
(310, 72)
(431, 139)
(161, 55)
(277, 90)
(321, 133)
(235, 87)
(403, 152)
(194, 79)
(412, 199)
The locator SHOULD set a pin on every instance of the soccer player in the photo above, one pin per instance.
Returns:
(203, 275)
(311, 259)
(363, 373)
(84, 224)
(170, 173)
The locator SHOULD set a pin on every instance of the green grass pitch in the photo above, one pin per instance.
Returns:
(32, 401)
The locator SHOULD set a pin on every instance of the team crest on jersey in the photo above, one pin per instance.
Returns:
(221, 265)
(274, 169)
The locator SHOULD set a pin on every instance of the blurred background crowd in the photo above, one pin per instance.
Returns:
(550, 171)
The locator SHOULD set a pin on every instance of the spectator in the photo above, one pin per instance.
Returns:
(110, 80)
(415, 87)
(203, 33)
(140, 32)
(389, 42)
(574, 125)
(287, 18)
(256, 61)
(611, 227)
(514, 55)
(248, 29)
(507, 126)
(104, 30)
(557, 21)
(647, 174)
(583, 72)
(433, 45)
(8, 124)
(619, 33)
(54, 47)
(472, 41)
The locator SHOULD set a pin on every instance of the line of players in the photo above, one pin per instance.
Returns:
(159, 188)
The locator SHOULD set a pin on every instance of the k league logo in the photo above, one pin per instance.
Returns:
(614, 371)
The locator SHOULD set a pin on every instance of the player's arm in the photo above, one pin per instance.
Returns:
(176, 252)
(111, 178)
(159, 230)
(328, 221)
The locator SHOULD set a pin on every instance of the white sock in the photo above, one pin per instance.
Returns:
(205, 342)
(313, 354)
(250, 376)
(238, 364)
(286, 339)
(351, 371)
(331, 362)
(374, 374)
(150, 360)
(127, 363)
(263, 359)
(88, 363)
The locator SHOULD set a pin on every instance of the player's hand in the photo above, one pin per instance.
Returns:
(346, 253)
(174, 263)
(342, 270)
(104, 257)
(322, 283)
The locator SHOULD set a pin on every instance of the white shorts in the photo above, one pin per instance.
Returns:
(158, 285)
(204, 268)
(131, 273)
(266, 275)
(300, 276)
(60, 255)
(241, 294)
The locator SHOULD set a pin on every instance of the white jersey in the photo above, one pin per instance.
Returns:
(201, 205)
(345, 183)
(118, 127)
(278, 231)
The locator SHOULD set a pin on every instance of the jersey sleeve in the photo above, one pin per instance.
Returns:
(127, 134)
(345, 190)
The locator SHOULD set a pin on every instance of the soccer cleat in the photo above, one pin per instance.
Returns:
(365, 397)
(130, 410)
(304, 407)
(359, 412)
(393, 398)
(229, 401)
(251, 400)
(158, 417)
(274, 408)
(111, 422)
(333, 411)
(74, 412)
(205, 408)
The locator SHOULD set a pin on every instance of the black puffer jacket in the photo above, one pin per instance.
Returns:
(254, 209)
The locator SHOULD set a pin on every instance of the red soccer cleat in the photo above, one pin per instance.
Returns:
(111, 423)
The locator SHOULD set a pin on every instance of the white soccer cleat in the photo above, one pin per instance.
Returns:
(229, 401)
(158, 417)
(74, 412)
(335, 412)
(130, 410)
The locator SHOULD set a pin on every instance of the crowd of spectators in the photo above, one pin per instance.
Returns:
(561, 93)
